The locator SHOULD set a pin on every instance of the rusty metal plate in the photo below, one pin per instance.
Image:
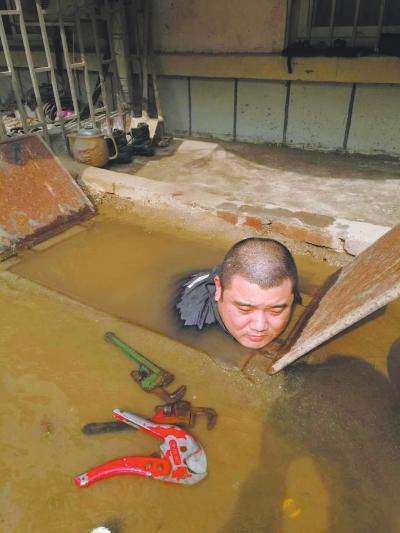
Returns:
(368, 283)
(38, 197)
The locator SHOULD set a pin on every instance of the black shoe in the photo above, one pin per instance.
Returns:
(144, 148)
(124, 156)
(120, 138)
(141, 132)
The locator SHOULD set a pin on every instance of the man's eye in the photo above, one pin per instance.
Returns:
(276, 312)
(244, 309)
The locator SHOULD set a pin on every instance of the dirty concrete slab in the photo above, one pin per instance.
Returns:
(328, 200)
(352, 188)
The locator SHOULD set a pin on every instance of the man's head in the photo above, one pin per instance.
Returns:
(256, 290)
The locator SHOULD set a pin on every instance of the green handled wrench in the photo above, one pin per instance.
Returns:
(150, 376)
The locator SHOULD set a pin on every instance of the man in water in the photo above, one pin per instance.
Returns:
(250, 295)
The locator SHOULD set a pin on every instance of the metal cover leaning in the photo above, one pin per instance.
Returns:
(368, 283)
(38, 197)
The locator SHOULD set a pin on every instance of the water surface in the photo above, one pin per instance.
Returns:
(312, 449)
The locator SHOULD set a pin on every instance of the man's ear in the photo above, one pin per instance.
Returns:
(218, 289)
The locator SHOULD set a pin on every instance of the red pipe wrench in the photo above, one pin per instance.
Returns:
(183, 460)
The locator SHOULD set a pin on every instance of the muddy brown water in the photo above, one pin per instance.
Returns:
(313, 449)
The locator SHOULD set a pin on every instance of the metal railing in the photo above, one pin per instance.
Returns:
(104, 66)
(307, 27)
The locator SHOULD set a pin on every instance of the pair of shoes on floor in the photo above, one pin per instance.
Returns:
(140, 143)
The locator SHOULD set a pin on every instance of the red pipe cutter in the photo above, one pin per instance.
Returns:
(183, 460)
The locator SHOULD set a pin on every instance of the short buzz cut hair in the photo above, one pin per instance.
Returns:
(262, 261)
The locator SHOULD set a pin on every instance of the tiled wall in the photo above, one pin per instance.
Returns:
(375, 125)
(317, 115)
(325, 116)
(260, 111)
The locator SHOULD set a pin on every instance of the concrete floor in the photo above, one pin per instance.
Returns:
(343, 203)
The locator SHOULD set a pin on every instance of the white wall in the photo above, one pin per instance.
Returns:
(212, 108)
(375, 123)
(174, 96)
(317, 113)
(218, 26)
(260, 111)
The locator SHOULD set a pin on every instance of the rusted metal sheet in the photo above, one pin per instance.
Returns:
(38, 197)
(368, 283)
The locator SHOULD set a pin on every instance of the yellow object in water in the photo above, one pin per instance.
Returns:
(291, 508)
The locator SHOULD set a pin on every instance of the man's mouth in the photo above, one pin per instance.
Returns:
(256, 338)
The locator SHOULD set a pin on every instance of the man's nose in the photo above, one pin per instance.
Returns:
(259, 321)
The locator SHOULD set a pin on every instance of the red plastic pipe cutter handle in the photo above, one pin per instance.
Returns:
(139, 466)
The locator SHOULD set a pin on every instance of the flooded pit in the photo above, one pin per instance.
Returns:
(311, 450)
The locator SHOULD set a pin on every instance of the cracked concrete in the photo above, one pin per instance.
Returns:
(327, 200)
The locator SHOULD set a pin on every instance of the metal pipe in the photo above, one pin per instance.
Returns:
(11, 72)
(68, 63)
(135, 58)
(3, 130)
(113, 62)
(156, 91)
(13, 12)
(31, 67)
(42, 69)
(126, 53)
(86, 76)
(100, 68)
(9, 12)
(157, 94)
(53, 24)
(50, 67)
(77, 65)
(145, 87)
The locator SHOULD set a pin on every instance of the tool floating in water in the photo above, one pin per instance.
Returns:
(150, 376)
(182, 460)
(180, 412)
(183, 413)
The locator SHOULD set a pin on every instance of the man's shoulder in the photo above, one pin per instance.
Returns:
(196, 280)
(195, 297)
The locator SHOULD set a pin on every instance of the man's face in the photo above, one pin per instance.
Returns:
(252, 315)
